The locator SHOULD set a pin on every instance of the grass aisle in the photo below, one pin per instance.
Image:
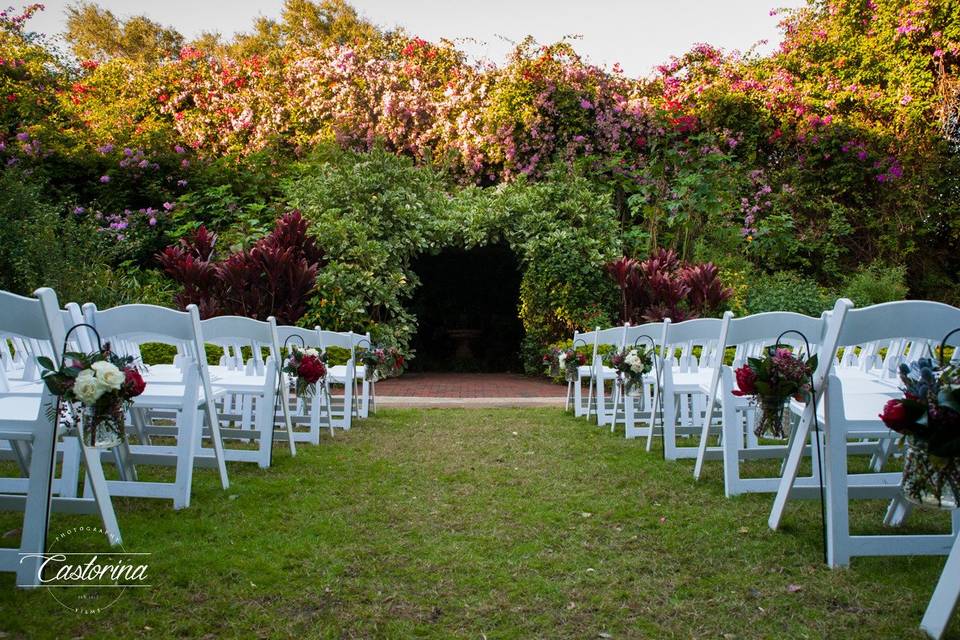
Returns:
(482, 523)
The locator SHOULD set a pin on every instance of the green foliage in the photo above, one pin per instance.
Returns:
(39, 248)
(97, 34)
(788, 291)
(371, 214)
(876, 283)
(161, 353)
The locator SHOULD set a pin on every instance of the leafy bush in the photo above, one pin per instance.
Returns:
(788, 291)
(663, 286)
(876, 283)
(272, 278)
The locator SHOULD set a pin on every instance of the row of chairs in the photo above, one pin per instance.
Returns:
(191, 413)
(687, 401)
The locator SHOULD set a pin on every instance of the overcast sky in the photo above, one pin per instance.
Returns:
(638, 34)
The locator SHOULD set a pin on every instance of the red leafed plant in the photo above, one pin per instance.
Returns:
(271, 278)
(663, 286)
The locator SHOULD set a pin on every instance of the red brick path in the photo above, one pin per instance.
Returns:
(468, 385)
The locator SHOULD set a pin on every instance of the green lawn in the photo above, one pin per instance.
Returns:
(483, 523)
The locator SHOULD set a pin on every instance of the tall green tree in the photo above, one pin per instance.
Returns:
(97, 34)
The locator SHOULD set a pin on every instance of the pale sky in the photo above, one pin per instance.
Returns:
(638, 34)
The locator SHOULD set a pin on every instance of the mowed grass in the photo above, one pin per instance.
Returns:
(484, 524)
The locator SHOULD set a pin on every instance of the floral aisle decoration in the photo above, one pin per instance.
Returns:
(631, 365)
(306, 367)
(379, 362)
(772, 380)
(928, 416)
(564, 361)
(94, 392)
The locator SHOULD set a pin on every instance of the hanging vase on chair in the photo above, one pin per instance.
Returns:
(103, 430)
(773, 417)
(930, 480)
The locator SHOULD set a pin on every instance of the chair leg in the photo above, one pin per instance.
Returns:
(189, 434)
(945, 596)
(791, 468)
(98, 485)
(36, 515)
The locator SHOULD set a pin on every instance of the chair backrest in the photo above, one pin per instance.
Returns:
(652, 330)
(142, 323)
(291, 337)
(35, 318)
(705, 333)
(340, 339)
(235, 332)
(751, 334)
(922, 320)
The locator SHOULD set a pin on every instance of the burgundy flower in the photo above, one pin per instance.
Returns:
(133, 383)
(897, 415)
(746, 381)
(311, 369)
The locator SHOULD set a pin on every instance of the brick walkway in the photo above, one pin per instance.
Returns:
(468, 389)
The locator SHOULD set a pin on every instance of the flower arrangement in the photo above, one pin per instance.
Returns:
(631, 364)
(98, 387)
(566, 360)
(307, 367)
(928, 416)
(379, 361)
(773, 379)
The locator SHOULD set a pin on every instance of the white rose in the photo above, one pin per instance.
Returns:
(87, 388)
(311, 352)
(562, 358)
(108, 375)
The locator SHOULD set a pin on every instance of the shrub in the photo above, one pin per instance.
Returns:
(788, 291)
(272, 278)
(665, 287)
(876, 283)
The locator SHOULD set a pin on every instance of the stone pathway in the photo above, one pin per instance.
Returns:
(469, 390)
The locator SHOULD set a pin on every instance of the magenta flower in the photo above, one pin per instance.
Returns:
(104, 179)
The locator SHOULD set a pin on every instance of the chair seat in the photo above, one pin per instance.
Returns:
(18, 408)
(168, 396)
(693, 381)
(338, 373)
(238, 382)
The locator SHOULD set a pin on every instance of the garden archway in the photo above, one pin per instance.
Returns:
(466, 306)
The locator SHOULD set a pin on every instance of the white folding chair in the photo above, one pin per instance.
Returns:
(687, 380)
(257, 385)
(31, 431)
(184, 395)
(848, 408)
(341, 413)
(750, 337)
(601, 374)
(313, 411)
(644, 406)
(584, 374)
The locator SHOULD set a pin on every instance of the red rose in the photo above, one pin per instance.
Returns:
(895, 415)
(311, 369)
(133, 383)
(746, 381)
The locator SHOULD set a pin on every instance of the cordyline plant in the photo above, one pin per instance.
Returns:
(663, 286)
(274, 277)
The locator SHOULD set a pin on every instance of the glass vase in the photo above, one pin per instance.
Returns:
(773, 418)
(103, 430)
(930, 480)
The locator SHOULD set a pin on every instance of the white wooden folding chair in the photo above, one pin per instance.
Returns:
(687, 380)
(257, 385)
(581, 407)
(849, 408)
(31, 430)
(342, 408)
(750, 337)
(313, 411)
(184, 394)
(645, 405)
(613, 338)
